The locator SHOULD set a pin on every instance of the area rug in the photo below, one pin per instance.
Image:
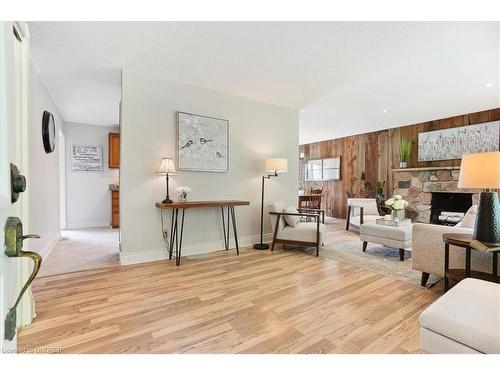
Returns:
(347, 247)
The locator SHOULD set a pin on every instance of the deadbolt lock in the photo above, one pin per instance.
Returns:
(17, 183)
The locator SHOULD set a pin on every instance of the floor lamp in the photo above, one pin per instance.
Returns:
(482, 171)
(273, 167)
(167, 167)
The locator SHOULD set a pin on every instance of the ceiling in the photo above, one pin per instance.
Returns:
(344, 77)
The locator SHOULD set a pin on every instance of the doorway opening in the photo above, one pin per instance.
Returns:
(89, 187)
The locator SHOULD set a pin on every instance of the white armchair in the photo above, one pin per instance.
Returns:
(303, 233)
(427, 254)
(361, 211)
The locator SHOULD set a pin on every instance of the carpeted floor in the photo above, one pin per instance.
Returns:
(82, 249)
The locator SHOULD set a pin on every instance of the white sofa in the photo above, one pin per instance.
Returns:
(428, 248)
(303, 233)
(361, 211)
(464, 320)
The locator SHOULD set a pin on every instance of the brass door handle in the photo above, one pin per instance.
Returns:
(30, 236)
(14, 249)
(10, 320)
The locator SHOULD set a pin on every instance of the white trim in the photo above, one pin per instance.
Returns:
(47, 249)
(89, 224)
(134, 257)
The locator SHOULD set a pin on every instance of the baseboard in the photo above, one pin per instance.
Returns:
(46, 250)
(134, 257)
(90, 224)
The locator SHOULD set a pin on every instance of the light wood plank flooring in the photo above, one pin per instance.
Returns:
(260, 302)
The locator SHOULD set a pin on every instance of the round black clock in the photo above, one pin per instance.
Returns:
(48, 132)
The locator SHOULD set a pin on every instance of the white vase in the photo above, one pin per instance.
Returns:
(403, 164)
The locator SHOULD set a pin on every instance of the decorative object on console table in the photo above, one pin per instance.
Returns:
(202, 143)
(273, 167)
(482, 171)
(405, 146)
(182, 193)
(398, 206)
(167, 168)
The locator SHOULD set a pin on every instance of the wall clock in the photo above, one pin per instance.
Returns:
(48, 132)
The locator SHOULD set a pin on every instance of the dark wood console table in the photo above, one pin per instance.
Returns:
(177, 230)
(463, 241)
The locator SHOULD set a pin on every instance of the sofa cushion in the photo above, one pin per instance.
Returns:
(401, 233)
(291, 220)
(366, 219)
(469, 219)
(303, 231)
(469, 313)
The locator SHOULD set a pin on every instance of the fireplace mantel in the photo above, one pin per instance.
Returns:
(425, 169)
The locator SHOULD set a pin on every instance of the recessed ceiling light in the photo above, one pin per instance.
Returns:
(489, 84)
(385, 111)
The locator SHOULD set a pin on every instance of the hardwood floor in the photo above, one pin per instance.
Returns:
(259, 302)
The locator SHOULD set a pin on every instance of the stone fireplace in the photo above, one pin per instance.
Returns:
(416, 185)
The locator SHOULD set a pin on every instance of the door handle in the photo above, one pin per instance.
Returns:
(14, 249)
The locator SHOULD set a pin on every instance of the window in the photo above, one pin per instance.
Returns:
(323, 169)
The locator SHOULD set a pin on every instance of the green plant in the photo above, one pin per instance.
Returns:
(405, 146)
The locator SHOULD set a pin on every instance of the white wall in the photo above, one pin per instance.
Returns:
(43, 178)
(88, 199)
(257, 131)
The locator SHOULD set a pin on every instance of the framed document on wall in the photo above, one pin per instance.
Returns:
(86, 158)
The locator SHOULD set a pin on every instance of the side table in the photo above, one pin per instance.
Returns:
(463, 241)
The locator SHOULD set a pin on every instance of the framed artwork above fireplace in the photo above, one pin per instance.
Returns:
(453, 143)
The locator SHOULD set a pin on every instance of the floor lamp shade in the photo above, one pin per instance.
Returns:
(482, 171)
(276, 165)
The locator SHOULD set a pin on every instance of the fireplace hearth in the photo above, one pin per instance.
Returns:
(447, 208)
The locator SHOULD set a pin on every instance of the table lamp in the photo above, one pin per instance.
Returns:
(273, 167)
(482, 171)
(167, 167)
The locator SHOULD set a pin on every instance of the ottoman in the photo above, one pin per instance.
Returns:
(464, 320)
(397, 237)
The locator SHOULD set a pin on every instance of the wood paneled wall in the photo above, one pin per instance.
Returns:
(376, 154)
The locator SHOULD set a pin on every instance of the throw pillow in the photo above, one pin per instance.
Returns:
(469, 218)
(291, 220)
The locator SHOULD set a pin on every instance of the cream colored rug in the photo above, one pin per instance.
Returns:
(347, 247)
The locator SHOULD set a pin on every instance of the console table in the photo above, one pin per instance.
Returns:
(463, 241)
(177, 230)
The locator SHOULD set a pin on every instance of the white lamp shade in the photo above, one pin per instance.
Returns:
(277, 165)
(166, 166)
(480, 171)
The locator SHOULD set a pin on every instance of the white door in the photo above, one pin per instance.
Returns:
(14, 146)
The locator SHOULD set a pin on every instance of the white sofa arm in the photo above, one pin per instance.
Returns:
(427, 253)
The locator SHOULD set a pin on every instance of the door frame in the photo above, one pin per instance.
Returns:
(26, 309)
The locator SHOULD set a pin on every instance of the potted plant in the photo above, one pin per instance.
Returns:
(398, 206)
(182, 192)
(405, 146)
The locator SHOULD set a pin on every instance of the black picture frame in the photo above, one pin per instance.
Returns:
(48, 132)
